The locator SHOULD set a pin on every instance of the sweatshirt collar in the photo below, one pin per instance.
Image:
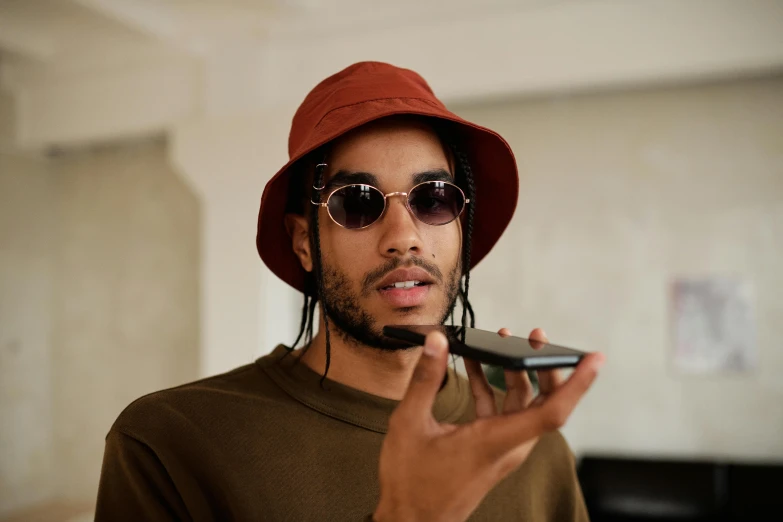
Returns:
(349, 404)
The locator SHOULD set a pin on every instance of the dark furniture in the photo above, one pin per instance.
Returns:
(623, 489)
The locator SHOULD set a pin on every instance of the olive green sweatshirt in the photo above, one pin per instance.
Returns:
(267, 442)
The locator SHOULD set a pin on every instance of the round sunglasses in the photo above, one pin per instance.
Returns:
(359, 206)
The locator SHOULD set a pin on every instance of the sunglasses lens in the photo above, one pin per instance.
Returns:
(356, 206)
(436, 202)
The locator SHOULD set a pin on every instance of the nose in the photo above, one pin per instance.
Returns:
(400, 232)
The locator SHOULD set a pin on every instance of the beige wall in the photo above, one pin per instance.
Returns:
(7, 120)
(620, 192)
(26, 271)
(104, 255)
(127, 295)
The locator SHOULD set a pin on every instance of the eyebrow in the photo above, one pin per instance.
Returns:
(344, 177)
(432, 175)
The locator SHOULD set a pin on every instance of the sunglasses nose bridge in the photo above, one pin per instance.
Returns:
(403, 195)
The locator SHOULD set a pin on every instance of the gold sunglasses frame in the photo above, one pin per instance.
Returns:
(386, 205)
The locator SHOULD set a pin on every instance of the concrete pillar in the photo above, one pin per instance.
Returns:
(245, 309)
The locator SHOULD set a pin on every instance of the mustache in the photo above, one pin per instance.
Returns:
(374, 276)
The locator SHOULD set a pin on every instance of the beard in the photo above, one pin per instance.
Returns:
(355, 325)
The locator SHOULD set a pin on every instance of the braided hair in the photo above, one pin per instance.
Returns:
(315, 243)
(314, 281)
(464, 171)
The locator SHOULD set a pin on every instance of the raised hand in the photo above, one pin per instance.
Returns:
(441, 472)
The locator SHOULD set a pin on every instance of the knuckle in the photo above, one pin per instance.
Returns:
(473, 433)
(476, 436)
(477, 430)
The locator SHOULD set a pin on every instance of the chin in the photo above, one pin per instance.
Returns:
(412, 316)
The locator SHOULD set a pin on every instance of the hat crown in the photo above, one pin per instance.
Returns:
(354, 85)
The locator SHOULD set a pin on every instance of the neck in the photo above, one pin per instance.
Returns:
(385, 373)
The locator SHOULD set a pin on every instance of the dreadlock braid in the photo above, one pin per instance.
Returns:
(317, 260)
(470, 189)
(306, 324)
(310, 321)
(303, 324)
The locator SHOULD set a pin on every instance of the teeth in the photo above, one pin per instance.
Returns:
(405, 284)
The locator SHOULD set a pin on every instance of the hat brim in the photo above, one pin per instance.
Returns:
(492, 162)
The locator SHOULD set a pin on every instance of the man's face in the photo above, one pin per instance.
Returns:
(393, 156)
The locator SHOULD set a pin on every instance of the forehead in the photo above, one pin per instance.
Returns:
(389, 149)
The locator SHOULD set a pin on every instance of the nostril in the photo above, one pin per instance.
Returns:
(413, 249)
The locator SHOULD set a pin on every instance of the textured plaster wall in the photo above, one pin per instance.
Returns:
(621, 192)
(99, 280)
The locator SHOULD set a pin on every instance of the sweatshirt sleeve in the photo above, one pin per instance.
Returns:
(134, 484)
(572, 502)
(579, 508)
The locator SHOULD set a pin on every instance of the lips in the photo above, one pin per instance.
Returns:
(405, 288)
(405, 297)
(403, 275)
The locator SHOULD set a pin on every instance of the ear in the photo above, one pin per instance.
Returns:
(299, 231)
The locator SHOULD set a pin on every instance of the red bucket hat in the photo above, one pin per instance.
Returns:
(365, 92)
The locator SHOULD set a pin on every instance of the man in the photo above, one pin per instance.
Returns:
(387, 202)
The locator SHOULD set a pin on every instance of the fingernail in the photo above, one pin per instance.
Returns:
(543, 332)
(434, 344)
(601, 359)
(431, 350)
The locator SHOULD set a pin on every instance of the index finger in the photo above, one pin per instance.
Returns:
(505, 433)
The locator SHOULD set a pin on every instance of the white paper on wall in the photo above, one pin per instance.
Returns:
(714, 329)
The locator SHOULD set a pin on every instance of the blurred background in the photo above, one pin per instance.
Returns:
(136, 137)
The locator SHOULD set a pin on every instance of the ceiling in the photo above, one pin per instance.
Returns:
(55, 30)
(82, 70)
(89, 30)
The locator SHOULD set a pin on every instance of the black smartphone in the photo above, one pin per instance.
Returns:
(513, 353)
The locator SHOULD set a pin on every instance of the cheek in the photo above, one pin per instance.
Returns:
(445, 246)
(346, 250)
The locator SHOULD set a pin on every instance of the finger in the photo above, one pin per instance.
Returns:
(548, 380)
(483, 395)
(416, 405)
(538, 334)
(519, 391)
(504, 433)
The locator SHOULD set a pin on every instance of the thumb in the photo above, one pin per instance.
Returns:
(427, 378)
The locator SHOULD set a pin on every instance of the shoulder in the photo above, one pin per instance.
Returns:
(555, 449)
(198, 404)
(552, 463)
